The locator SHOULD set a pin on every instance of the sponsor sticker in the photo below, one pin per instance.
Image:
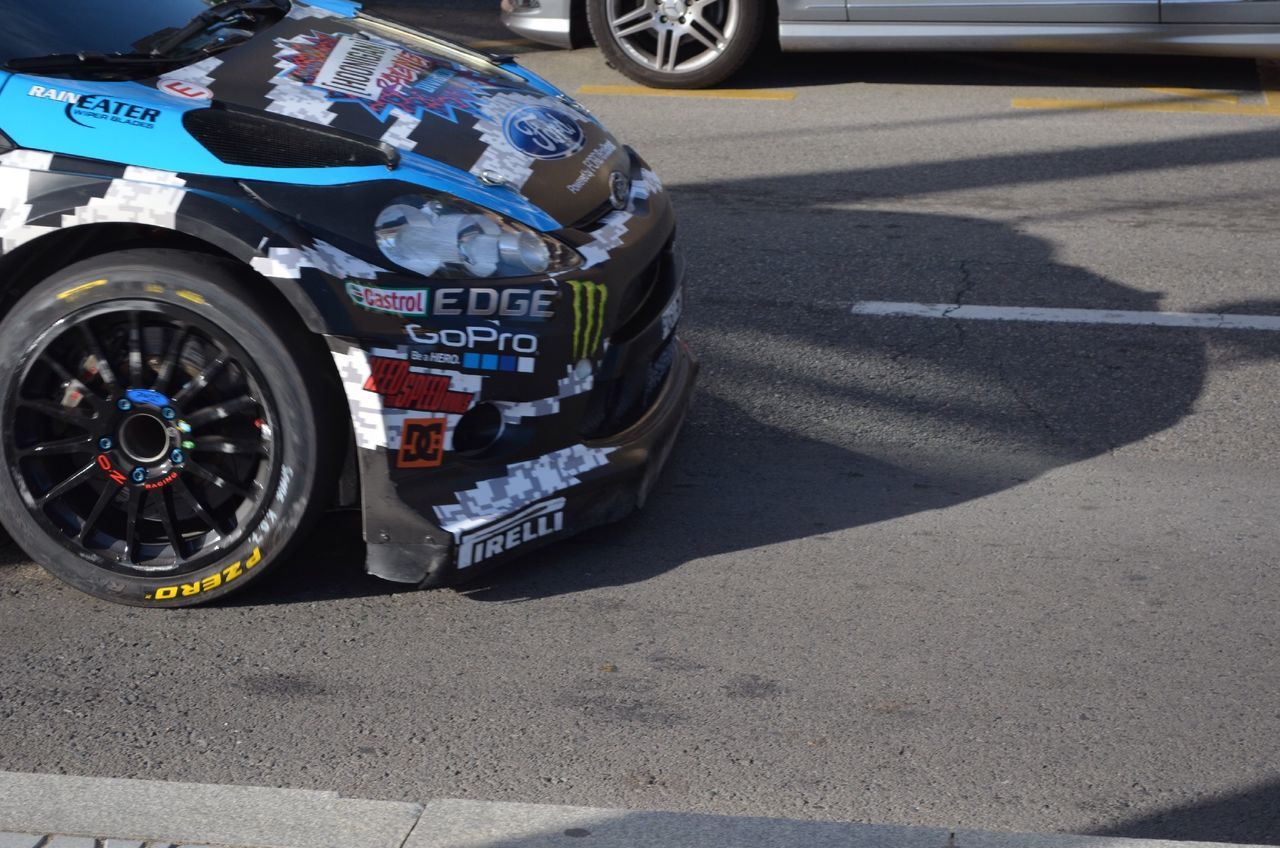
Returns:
(391, 301)
(543, 132)
(355, 66)
(494, 303)
(382, 78)
(527, 525)
(401, 387)
(185, 90)
(591, 165)
(59, 95)
(481, 348)
(422, 443)
(589, 301)
(93, 110)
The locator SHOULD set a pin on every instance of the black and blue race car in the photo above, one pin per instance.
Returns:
(263, 258)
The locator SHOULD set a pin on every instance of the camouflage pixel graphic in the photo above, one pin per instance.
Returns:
(524, 483)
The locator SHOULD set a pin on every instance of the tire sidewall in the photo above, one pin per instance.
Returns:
(211, 288)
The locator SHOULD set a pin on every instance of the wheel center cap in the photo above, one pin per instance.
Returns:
(144, 438)
(675, 8)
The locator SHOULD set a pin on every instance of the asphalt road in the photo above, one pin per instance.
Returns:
(932, 572)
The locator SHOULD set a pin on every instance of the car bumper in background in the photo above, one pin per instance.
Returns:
(544, 21)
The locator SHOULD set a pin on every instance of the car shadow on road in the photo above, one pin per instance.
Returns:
(774, 69)
(810, 420)
(1249, 816)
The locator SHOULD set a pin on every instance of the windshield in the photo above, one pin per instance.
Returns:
(94, 26)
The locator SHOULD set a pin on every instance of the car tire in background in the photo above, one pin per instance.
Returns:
(168, 428)
(677, 43)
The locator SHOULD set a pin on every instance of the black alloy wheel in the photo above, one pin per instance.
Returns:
(146, 452)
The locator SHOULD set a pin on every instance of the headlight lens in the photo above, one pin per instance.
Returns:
(445, 237)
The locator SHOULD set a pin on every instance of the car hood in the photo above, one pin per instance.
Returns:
(427, 98)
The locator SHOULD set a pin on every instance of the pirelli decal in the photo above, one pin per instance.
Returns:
(507, 534)
(589, 300)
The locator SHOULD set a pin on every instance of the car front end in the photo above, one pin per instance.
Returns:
(494, 276)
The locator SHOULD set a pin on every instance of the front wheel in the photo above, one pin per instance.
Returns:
(677, 43)
(162, 429)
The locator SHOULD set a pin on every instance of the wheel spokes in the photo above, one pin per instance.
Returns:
(78, 444)
(714, 42)
(105, 371)
(135, 351)
(217, 481)
(67, 485)
(58, 412)
(73, 381)
(136, 499)
(171, 359)
(224, 445)
(169, 518)
(91, 521)
(198, 507)
(201, 381)
(219, 411)
(637, 20)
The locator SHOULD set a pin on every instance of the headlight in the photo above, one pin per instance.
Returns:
(445, 237)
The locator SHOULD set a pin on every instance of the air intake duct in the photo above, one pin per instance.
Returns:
(272, 141)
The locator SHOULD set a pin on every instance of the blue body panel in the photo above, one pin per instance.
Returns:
(133, 124)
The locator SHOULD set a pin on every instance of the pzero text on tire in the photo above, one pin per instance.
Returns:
(160, 437)
(677, 43)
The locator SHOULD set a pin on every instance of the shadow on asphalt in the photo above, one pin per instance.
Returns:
(1252, 815)
(774, 69)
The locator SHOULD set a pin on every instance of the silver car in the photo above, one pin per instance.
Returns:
(695, 43)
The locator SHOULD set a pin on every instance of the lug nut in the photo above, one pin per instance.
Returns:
(105, 443)
(139, 475)
(124, 405)
(177, 457)
(169, 413)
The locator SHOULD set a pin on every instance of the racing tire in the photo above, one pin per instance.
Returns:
(677, 43)
(166, 427)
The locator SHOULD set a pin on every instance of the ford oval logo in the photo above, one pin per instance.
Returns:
(146, 396)
(543, 132)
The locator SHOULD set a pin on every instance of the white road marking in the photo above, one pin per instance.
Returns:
(1048, 315)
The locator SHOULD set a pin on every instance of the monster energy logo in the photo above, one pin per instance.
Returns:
(588, 317)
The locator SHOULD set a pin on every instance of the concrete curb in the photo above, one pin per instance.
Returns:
(196, 813)
(51, 811)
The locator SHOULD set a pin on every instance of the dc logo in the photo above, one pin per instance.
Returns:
(543, 132)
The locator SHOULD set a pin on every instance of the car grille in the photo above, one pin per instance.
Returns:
(618, 403)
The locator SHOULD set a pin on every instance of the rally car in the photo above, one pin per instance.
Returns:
(265, 258)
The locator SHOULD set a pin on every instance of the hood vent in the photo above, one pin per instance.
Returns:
(270, 141)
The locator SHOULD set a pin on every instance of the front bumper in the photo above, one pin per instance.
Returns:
(623, 470)
(547, 21)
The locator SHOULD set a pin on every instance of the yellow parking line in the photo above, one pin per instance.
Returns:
(712, 94)
(1196, 94)
(1203, 106)
(1269, 77)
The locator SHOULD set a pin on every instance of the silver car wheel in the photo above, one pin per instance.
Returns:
(673, 36)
